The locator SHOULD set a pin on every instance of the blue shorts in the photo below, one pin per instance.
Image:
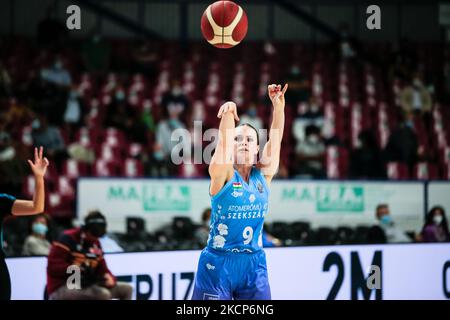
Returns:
(227, 276)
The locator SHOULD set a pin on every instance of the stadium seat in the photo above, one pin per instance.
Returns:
(397, 171)
(132, 168)
(325, 236)
(73, 169)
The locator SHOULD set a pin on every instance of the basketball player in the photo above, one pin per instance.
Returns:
(233, 264)
(11, 205)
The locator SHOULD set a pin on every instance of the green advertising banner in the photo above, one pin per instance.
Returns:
(324, 203)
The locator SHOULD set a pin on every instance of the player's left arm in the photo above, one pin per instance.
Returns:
(29, 207)
(271, 154)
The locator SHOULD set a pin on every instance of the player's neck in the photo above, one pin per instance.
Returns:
(244, 170)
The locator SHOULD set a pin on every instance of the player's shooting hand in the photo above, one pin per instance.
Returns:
(228, 106)
(276, 95)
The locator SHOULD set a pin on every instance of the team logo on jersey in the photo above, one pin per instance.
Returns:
(260, 187)
(252, 198)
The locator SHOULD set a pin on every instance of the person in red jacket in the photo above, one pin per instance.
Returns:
(76, 267)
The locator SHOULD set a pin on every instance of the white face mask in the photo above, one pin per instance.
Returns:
(437, 219)
(313, 139)
(176, 91)
(314, 108)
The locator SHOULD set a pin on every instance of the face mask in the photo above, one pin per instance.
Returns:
(173, 123)
(386, 220)
(73, 94)
(40, 228)
(58, 65)
(120, 95)
(176, 91)
(314, 108)
(313, 139)
(158, 155)
(295, 70)
(251, 113)
(437, 219)
(36, 124)
(409, 124)
(417, 83)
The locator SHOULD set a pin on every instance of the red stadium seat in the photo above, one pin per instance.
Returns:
(397, 171)
(65, 186)
(59, 205)
(132, 168)
(104, 168)
(74, 169)
(425, 171)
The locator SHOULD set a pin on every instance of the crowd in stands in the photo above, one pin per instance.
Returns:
(107, 107)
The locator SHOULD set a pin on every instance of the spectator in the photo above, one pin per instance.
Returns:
(366, 160)
(299, 87)
(392, 233)
(176, 99)
(145, 58)
(123, 116)
(36, 244)
(50, 138)
(436, 226)
(415, 97)
(57, 74)
(161, 160)
(402, 145)
(347, 51)
(73, 112)
(119, 114)
(310, 154)
(251, 117)
(81, 247)
(307, 114)
(202, 232)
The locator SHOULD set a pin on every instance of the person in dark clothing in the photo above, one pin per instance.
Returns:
(366, 160)
(299, 86)
(10, 205)
(176, 99)
(402, 144)
(80, 248)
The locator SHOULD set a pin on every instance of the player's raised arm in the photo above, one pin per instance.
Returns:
(29, 207)
(271, 153)
(221, 166)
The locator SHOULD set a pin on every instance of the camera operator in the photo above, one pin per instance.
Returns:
(80, 247)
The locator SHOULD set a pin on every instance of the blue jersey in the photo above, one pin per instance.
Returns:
(238, 212)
